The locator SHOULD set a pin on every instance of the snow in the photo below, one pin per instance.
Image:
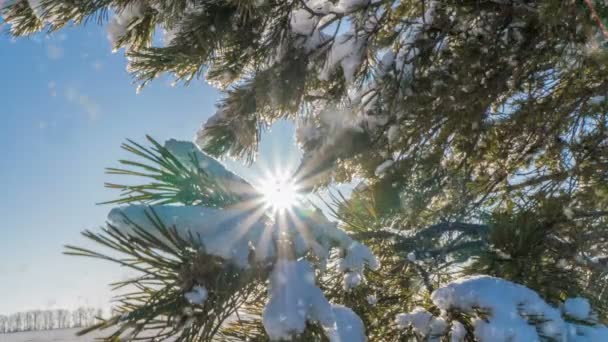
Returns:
(411, 256)
(304, 24)
(230, 232)
(569, 213)
(372, 300)
(352, 280)
(347, 6)
(242, 234)
(294, 299)
(346, 50)
(123, 20)
(223, 232)
(512, 312)
(382, 168)
(577, 308)
(393, 135)
(387, 61)
(197, 296)
(405, 57)
(423, 323)
(233, 233)
(183, 151)
(418, 319)
(357, 256)
(35, 6)
(457, 332)
(348, 326)
(60, 335)
(597, 100)
(584, 333)
(509, 304)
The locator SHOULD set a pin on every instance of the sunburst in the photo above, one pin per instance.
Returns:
(279, 193)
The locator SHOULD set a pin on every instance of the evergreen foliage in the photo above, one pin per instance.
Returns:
(480, 129)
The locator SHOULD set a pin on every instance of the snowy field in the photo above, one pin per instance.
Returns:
(61, 335)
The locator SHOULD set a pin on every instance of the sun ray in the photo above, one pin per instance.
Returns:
(250, 220)
(279, 193)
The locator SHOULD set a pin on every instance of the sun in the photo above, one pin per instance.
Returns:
(279, 193)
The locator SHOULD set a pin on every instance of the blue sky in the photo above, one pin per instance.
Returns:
(67, 103)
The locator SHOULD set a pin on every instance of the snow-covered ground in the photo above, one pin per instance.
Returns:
(62, 335)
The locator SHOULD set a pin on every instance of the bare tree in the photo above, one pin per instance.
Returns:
(36, 320)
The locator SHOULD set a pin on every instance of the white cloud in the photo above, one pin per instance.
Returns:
(74, 96)
(97, 65)
(54, 52)
(52, 88)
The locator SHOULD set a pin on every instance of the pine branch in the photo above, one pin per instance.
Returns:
(169, 266)
(171, 180)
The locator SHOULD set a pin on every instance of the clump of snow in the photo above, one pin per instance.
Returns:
(406, 56)
(348, 326)
(382, 168)
(169, 35)
(509, 305)
(509, 312)
(569, 213)
(294, 299)
(457, 332)
(347, 50)
(352, 280)
(418, 319)
(577, 308)
(35, 6)
(233, 233)
(422, 322)
(387, 62)
(230, 233)
(597, 100)
(372, 299)
(357, 256)
(305, 24)
(223, 232)
(411, 256)
(123, 20)
(241, 234)
(393, 134)
(197, 296)
(186, 152)
(347, 6)
(585, 333)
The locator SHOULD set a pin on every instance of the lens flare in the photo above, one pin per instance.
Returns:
(279, 193)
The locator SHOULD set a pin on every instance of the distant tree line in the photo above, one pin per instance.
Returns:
(36, 320)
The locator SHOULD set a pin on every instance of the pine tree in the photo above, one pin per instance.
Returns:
(479, 128)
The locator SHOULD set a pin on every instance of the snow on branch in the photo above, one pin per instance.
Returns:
(243, 234)
(236, 235)
(503, 311)
(296, 300)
